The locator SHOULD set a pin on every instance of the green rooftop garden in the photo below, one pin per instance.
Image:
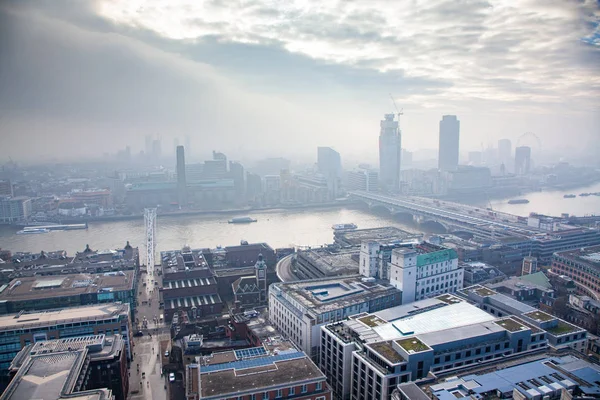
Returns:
(534, 329)
(511, 325)
(372, 321)
(413, 344)
(562, 328)
(448, 298)
(483, 291)
(539, 316)
(386, 350)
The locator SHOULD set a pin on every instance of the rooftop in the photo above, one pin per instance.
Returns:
(480, 290)
(388, 234)
(537, 280)
(323, 295)
(512, 325)
(589, 256)
(38, 287)
(412, 345)
(387, 351)
(233, 373)
(330, 261)
(563, 328)
(535, 378)
(442, 318)
(65, 315)
(51, 370)
(539, 316)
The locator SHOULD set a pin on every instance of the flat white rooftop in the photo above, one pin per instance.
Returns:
(65, 315)
(448, 317)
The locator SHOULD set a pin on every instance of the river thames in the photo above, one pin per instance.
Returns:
(279, 228)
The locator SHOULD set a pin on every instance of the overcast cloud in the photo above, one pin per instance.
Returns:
(284, 76)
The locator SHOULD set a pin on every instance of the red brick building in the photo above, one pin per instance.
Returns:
(581, 265)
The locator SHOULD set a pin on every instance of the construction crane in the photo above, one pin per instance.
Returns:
(398, 112)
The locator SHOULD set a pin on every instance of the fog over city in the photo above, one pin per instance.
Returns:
(257, 79)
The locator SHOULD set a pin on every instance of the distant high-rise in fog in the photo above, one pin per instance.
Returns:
(156, 150)
(504, 151)
(449, 143)
(329, 163)
(148, 147)
(181, 181)
(390, 142)
(522, 160)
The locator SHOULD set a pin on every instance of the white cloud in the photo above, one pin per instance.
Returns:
(525, 51)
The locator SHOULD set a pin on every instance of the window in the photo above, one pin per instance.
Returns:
(303, 390)
(266, 396)
(319, 386)
(279, 394)
(292, 391)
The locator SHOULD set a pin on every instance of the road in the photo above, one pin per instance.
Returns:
(284, 269)
(148, 355)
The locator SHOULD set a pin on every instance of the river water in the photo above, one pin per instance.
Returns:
(279, 228)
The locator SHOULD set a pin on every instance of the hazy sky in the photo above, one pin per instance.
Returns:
(256, 78)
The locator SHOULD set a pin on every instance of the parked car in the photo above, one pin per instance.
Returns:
(171, 377)
(167, 353)
(138, 334)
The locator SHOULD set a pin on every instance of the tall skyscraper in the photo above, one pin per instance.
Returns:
(504, 151)
(181, 181)
(148, 147)
(329, 164)
(522, 160)
(390, 142)
(156, 150)
(449, 143)
(188, 147)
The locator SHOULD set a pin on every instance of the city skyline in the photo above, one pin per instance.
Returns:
(170, 85)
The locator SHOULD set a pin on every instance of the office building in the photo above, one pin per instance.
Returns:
(467, 179)
(362, 179)
(89, 367)
(386, 234)
(547, 377)
(299, 309)
(522, 160)
(505, 152)
(329, 164)
(449, 143)
(367, 355)
(582, 265)
(6, 188)
(15, 209)
(69, 290)
(98, 197)
(275, 370)
(390, 143)
(375, 257)
(424, 270)
(25, 328)
(181, 181)
(559, 334)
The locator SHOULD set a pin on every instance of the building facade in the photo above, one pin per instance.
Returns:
(25, 328)
(583, 266)
(390, 143)
(449, 143)
(522, 160)
(425, 271)
(362, 179)
(14, 209)
(299, 309)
